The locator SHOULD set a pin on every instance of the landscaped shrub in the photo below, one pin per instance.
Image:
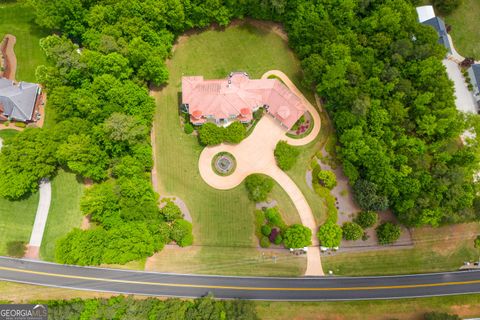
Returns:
(266, 230)
(210, 134)
(278, 239)
(330, 235)
(259, 221)
(163, 233)
(186, 241)
(188, 128)
(476, 242)
(6, 123)
(388, 233)
(352, 231)
(297, 124)
(258, 186)
(257, 115)
(264, 242)
(274, 218)
(367, 196)
(171, 211)
(180, 230)
(234, 133)
(327, 179)
(329, 199)
(286, 155)
(297, 236)
(16, 249)
(20, 124)
(274, 234)
(367, 219)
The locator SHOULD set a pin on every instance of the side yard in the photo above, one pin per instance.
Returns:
(17, 19)
(464, 22)
(64, 212)
(16, 220)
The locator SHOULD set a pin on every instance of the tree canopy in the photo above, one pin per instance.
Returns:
(286, 155)
(330, 234)
(297, 236)
(258, 187)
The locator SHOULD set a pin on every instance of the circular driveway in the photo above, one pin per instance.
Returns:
(255, 155)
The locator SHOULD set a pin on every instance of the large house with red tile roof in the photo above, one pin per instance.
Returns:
(237, 97)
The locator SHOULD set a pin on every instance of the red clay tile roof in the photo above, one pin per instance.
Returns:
(238, 95)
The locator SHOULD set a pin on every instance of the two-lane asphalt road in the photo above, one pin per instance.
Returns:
(268, 288)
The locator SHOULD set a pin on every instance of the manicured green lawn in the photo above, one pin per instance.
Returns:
(464, 22)
(17, 19)
(222, 220)
(64, 214)
(285, 205)
(7, 133)
(16, 220)
(436, 249)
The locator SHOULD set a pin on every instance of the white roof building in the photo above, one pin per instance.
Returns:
(425, 13)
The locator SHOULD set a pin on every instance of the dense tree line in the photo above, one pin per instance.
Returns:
(376, 67)
(129, 308)
(380, 74)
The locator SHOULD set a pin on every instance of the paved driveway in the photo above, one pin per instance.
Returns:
(45, 190)
(463, 97)
(255, 155)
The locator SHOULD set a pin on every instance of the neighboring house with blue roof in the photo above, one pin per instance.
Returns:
(474, 73)
(18, 101)
(427, 16)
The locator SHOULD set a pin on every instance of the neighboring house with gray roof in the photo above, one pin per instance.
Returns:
(18, 101)
(474, 73)
(426, 16)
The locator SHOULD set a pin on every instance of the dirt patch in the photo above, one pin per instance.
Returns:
(174, 259)
(85, 223)
(465, 310)
(9, 58)
(444, 240)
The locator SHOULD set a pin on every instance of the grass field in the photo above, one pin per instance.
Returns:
(16, 220)
(17, 19)
(222, 220)
(64, 214)
(436, 249)
(464, 22)
(402, 309)
(7, 133)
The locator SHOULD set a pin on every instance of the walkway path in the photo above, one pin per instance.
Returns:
(255, 155)
(40, 220)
